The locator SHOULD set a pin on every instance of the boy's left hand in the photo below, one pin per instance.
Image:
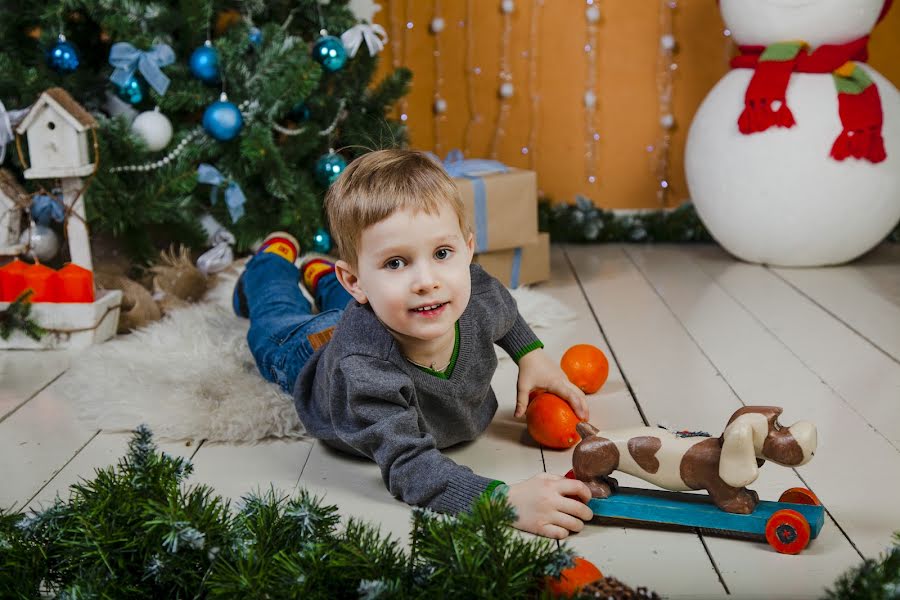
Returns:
(538, 371)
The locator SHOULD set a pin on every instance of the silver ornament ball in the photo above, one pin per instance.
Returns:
(507, 90)
(437, 25)
(42, 242)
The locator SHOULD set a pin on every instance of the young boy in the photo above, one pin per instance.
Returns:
(398, 362)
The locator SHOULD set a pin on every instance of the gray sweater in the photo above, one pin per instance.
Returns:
(359, 394)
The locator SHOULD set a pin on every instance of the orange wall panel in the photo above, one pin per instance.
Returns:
(626, 71)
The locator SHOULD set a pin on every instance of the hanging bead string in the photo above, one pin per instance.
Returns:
(439, 106)
(407, 27)
(164, 160)
(729, 49)
(531, 145)
(471, 71)
(506, 89)
(396, 48)
(665, 79)
(340, 116)
(591, 137)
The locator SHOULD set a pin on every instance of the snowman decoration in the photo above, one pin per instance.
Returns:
(793, 159)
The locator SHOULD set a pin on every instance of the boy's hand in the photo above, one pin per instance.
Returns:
(537, 371)
(543, 509)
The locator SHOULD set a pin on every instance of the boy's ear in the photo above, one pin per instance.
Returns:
(350, 281)
(470, 245)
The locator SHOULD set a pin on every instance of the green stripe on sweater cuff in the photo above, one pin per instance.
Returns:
(494, 486)
(532, 346)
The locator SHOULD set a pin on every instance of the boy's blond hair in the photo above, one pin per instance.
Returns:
(380, 183)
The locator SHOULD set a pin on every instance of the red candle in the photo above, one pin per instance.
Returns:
(12, 280)
(44, 281)
(76, 284)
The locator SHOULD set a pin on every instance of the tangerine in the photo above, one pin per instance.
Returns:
(586, 366)
(551, 421)
(574, 578)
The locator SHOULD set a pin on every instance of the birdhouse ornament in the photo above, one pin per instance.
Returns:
(793, 159)
(57, 130)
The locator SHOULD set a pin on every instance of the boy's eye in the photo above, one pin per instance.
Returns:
(443, 253)
(394, 263)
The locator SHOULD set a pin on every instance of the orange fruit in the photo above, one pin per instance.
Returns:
(574, 578)
(551, 421)
(586, 366)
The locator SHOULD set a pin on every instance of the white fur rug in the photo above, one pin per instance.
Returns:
(190, 376)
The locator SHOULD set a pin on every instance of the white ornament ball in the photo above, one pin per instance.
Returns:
(154, 128)
(507, 6)
(507, 90)
(590, 99)
(667, 42)
(440, 106)
(667, 121)
(437, 25)
(42, 242)
(592, 13)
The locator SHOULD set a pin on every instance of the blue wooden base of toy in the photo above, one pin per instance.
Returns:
(657, 507)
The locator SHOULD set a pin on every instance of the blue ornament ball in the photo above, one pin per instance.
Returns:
(222, 120)
(205, 63)
(321, 241)
(255, 36)
(134, 91)
(329, 52)
(63, 57)
(300, 112)
(329, 167)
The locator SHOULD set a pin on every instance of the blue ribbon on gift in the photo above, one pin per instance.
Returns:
(126, 59)
(516, 268)
(234, 196)
(472, 169)
(45, 208)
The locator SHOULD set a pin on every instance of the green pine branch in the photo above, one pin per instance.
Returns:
(18, 317)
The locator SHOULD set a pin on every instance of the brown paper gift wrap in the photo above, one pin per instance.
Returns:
(519, 266)
(502, 208)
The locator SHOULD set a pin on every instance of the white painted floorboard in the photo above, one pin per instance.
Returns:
(691, 335)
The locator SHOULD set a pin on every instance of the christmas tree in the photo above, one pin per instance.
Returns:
(292, 94)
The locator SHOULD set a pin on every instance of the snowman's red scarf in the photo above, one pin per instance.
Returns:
(859, 104)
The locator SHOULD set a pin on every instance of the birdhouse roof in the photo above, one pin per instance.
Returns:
(11, 190)
(65, 105)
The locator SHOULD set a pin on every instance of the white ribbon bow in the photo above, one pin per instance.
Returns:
(374, 35)
(8, 121)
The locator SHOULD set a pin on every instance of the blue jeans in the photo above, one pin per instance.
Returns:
(281, 317)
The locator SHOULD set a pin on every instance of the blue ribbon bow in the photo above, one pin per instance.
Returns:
(234, 196)
(473, 169)
(45, 208)
(126, 59)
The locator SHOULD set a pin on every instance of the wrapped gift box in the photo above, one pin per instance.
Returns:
(519, 266)
(502, 208)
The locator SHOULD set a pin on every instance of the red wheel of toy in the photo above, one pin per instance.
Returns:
(787, 531)
(799, 495)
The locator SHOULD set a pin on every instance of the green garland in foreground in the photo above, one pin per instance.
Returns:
(136, 531)
(583, 222)
(873, 579)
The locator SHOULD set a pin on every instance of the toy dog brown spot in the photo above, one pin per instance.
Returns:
(643, 450)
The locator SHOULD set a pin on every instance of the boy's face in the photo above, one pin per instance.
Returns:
(413, 268)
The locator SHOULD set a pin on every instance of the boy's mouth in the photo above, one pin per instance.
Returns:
(430, 310)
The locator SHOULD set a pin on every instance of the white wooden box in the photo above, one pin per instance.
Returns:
(69, 325)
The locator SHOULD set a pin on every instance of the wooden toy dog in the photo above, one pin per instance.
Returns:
(722, 466)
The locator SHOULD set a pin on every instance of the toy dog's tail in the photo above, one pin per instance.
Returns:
(585, 429)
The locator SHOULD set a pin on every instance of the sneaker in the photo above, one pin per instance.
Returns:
(313, 267)
(279, 243)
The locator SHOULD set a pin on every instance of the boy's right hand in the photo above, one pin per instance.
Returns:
(543, 509)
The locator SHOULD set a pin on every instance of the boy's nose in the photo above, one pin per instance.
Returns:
(425, 281)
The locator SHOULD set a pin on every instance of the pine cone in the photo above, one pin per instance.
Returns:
(612, 589)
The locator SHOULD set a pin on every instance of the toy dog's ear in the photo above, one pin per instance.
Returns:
(737, 463)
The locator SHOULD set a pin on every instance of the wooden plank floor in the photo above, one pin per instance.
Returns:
(691, 334)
